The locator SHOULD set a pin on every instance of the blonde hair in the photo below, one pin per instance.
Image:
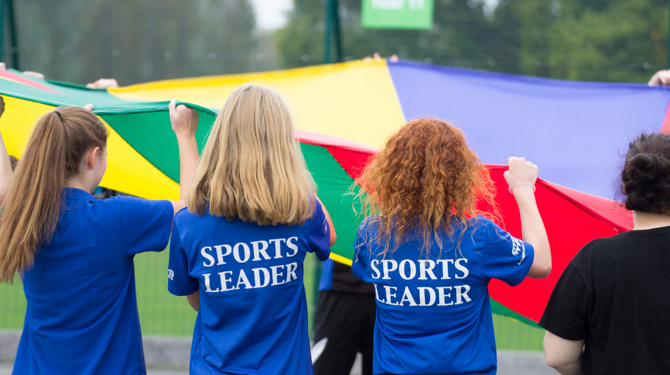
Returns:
(423, 179)
(32, 205)
(252, 167)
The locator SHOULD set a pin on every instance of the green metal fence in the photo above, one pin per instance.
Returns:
(161, 313)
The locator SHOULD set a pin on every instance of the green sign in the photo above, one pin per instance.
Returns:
(397, 14)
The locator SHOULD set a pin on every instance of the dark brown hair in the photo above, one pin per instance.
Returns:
(645, 178)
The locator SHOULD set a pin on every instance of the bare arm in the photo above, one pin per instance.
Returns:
(5, 164)
(521, 177)
(194, 300)
(184, 124)
(5, 169)
(333, 235)
(563, 355)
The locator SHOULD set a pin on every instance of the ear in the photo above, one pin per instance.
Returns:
(92, 157)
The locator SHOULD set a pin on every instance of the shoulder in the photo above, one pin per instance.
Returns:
(604, 254)
(136, 209)
(134, 203)
(601, 249)
(366, 233)
(368, 227)
(185, 218)
(369, 223)
(485, 229)
(601, 246)
(318, 207)
(318, 217)
(109, 206)
(182, 215)
(481, 222)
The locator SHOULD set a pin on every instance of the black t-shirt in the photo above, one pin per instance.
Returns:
(615, 295)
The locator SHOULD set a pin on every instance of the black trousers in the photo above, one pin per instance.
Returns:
(343, 325)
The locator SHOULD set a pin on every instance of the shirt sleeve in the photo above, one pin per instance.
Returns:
(504, 257)
(145, 224)
(318, 236)
(180, 283)
(566, 312)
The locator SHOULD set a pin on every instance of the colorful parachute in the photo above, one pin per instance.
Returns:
(574, 131)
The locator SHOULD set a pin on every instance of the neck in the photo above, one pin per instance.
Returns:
(79, 183)
(646, 220)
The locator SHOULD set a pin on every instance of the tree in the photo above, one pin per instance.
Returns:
(623, 40)
(606, 40)
(458, 36)
(136, 40)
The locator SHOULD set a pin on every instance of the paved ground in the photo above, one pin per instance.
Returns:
(169, 356)
(509, 364)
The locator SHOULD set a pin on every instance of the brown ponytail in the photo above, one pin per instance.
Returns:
(32, 204)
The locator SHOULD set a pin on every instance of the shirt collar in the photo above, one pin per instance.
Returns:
(77, 194)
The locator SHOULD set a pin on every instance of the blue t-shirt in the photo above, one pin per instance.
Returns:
(433, 312)
(253, 310)
(81, 315)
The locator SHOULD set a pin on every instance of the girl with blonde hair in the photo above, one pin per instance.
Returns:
(430, 254)
(75, 253)
(237, 253)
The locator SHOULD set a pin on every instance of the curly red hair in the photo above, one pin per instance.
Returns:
(424, 178)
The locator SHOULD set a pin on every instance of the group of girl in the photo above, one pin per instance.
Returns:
(237, 250)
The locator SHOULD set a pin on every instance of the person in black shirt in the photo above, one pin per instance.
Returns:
(609, 313)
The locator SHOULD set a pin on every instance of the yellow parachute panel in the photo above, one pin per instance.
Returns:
(376, 104)
(127, 170)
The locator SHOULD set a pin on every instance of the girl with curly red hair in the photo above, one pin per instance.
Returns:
(430, 254)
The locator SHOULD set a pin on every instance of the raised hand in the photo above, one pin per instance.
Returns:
(521, 173)
(184, 119)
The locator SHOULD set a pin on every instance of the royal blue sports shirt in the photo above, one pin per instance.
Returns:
(253, 310)
(81, 315)
(433, 309)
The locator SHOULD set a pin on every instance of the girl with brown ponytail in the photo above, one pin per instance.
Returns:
(74, 253)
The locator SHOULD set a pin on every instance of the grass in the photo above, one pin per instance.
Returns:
(161, 313)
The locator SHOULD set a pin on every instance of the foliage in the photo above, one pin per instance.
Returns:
(135, 40)
(145, 40)
(602, 40)
(617, 41)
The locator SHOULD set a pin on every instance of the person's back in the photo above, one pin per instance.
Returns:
(430, 255)
(237, 253)
(74, 253)
(630, 280)
(81, 290)
(608, 311)
(434, 309)
(625, 286)
(253, 310)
